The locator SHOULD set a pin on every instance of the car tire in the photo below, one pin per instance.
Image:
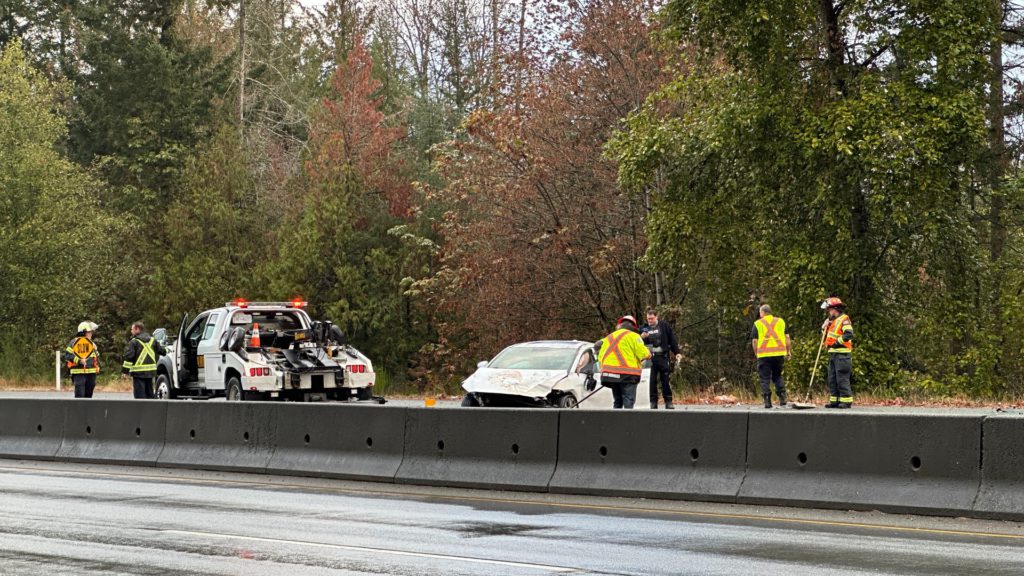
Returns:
(470, 401)
(164, 390)
(233, 392)
(566, 401)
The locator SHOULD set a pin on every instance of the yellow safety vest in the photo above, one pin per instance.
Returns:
(771, 336)
(83, 348)
(622, 352)
(146, 360)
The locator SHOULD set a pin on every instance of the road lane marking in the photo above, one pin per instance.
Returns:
(371, 550)
(567, 505)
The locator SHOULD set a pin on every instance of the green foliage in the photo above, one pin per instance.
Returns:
(800, 166)
(62, 246)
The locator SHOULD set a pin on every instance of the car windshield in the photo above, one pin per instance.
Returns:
(534, 358)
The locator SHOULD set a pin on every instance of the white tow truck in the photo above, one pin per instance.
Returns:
(263, 351)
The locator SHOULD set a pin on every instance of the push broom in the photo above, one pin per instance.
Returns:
(806, 404)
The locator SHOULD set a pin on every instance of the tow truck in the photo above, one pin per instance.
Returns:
(263, 351)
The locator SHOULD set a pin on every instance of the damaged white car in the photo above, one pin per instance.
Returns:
(550, 373)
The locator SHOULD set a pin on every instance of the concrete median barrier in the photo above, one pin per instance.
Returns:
(31, 429)
(480, 448)
(236, 436)
(680, 455)
(1002, 469)
(893, 463)
(352, 442)
(114, 431)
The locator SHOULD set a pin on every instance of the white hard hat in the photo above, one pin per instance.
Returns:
(87, 326)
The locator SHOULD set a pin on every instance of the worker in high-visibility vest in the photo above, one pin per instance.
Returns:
(838, 332)
(772, 346)
(140, 357)
(621, 355)
(82, 359)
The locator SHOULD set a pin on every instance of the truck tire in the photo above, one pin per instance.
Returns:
(233, 392)
(470, 400)
(164, 389)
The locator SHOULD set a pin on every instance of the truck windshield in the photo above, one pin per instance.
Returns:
(534, 358)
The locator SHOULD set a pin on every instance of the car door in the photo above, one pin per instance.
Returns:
(191, 366)
(208, 350)
(179, 351)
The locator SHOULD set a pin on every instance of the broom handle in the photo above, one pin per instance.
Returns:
(814, 370)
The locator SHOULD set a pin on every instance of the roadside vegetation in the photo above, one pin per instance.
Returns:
(445, 178)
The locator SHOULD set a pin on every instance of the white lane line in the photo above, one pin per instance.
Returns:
(375, 550)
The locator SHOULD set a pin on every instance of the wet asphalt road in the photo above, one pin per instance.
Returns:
(59, 519)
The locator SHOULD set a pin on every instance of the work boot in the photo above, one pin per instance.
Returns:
(767, 400)
(654, 405)
(833, 404)
(782, 398)
(669, 406)
(845, 405)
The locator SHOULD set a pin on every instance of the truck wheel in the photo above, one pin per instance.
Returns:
(471, 400)
(164, 390)
(233, 392)
(566, 401)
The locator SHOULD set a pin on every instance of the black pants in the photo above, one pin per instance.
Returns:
(623, 389)
(142, 386)
(840, 365)
(84, 385)
(770, 371)
(661, 369)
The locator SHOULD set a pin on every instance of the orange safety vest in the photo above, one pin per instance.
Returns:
(612, 358)
(835, 330)
(83, 348)
(769, 341)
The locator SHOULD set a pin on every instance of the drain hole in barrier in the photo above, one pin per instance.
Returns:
(603, 451)
(515, 448)
(88, 429)
(39, 428)
(440, 444)
(915, 463)
(306, 438)
(694, 454)
(138, 432)
(369, 442)
(245, 436)
(192, 434)
(801, 458)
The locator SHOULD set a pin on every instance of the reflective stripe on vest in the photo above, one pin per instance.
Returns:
(835, 331)
(83, 349)
(620, 366)
(769, 341)
(146, 360)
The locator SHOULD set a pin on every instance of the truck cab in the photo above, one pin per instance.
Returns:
(263, 351)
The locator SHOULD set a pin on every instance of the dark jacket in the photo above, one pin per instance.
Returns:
(134, 348)
(660, 337)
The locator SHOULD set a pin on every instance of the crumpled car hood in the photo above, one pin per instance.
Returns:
(531, 383)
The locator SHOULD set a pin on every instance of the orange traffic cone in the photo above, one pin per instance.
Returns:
(255, 341)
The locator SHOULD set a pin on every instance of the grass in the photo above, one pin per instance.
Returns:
(112, 383)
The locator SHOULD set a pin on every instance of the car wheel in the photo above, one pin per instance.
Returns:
(566, 401)
(164, 390)
(471, 400)
(234, 389)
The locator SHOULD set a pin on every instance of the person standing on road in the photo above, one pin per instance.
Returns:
(140, 356)
(772, 347)
(838, 331)
(83, 360)
(621, 355)
(661, 341)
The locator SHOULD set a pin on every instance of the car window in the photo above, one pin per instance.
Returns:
(534, 358)
(211, 325)
(196, 329)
